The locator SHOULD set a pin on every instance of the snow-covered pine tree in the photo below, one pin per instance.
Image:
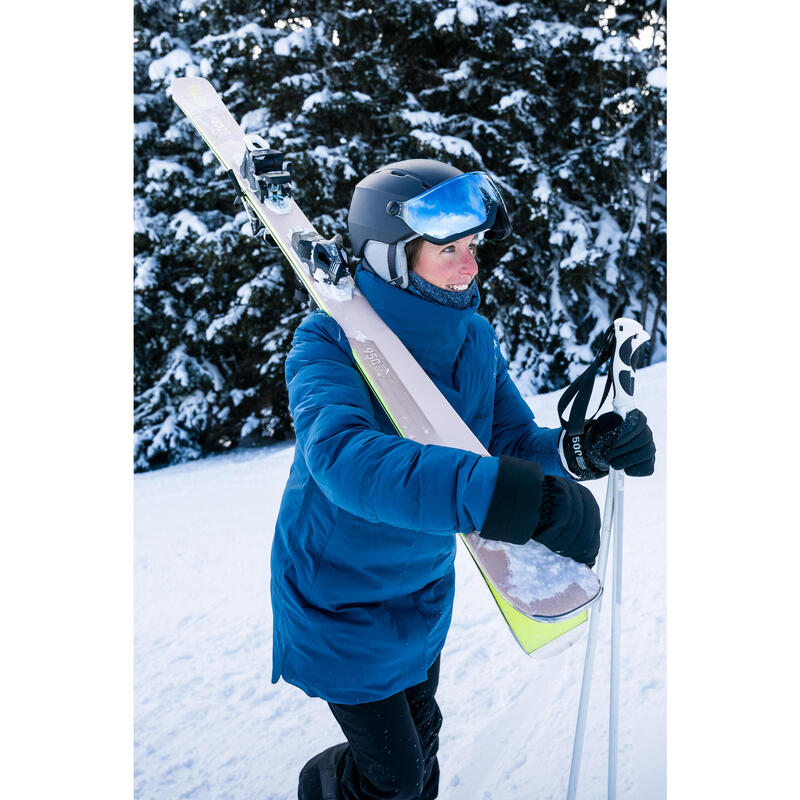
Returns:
(214, 310)
(562, 102)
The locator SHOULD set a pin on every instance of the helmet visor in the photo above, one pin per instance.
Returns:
(466, 204)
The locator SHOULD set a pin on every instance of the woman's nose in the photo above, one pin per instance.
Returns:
(469, 264)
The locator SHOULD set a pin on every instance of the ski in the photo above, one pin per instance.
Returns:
(542, 596)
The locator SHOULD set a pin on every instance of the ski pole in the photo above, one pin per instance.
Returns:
(591, 645)
(629, 337)
(616, 621)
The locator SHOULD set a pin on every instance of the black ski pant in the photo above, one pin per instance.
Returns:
(390, 753)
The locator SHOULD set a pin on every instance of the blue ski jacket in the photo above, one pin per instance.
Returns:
(362, 576)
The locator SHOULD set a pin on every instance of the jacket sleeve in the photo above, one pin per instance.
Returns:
(514, 432)
(378, 476)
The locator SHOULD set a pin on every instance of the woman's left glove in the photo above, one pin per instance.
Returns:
(612, 441)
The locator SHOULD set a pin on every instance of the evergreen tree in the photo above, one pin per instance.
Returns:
(563, 103)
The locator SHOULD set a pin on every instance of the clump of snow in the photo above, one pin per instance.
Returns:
(430, 119)
(592, 34)
(615, 149)
(513, 99)
(280, 130)
(333, 159)
(450, 144)
(296, 39)
(146, 271)
(142, 130)
(249, 425)
(575, 227)
(610, 49)
(542, 191)
(657, 78)
(255, 120)
(185, 221)
(460, 74)
(522, 164)
(445, 19)
(467, 12)
(158, 168)
(320, 98)
(539, 574)
(556, 33)
(338, 293)
(168, 67)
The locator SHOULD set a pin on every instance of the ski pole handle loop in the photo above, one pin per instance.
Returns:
(629, 336)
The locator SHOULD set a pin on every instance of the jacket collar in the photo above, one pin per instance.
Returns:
(433, 333)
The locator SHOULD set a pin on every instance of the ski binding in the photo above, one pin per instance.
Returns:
(267, 174)
(326, 259)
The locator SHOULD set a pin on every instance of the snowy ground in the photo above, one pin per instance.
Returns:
(209, 725)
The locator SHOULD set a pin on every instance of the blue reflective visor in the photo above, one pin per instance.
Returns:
(460, 206)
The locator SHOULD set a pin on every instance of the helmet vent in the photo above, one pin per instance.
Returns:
(399, 172)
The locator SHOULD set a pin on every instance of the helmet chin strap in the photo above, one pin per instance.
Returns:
(388, 261)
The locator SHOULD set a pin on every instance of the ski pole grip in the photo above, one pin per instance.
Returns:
(629, 336)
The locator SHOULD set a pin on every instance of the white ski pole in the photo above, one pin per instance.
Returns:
(591, 645)
(629, 337)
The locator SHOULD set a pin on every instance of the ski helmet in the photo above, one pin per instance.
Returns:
(420, 197)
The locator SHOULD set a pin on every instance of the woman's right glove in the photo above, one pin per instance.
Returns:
(557, 512)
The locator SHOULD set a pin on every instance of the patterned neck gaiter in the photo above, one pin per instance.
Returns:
(445, 297)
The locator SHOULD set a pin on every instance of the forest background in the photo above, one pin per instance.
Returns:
(563, 103)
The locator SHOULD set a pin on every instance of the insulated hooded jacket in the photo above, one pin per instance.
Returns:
(362, 577)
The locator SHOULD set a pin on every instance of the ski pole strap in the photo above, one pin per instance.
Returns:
(581, 390)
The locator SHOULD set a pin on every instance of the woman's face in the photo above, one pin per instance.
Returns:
(448, 266)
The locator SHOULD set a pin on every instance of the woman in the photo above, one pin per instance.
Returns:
(365, 542)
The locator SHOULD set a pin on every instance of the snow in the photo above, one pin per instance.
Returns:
(324, 97)
(175, 64)
(158, 168)
(460, 74)
(255, 121)
(454, 145)
(467, 12)
(431, 119)
(556, 33)
(208, 724)
(146, 275)
(544, 573)
(610, 49)
(141, 130)
(542, 191)
(513, 99)
(185, 221)
(445, 19)
(298, 39)
(657, 78)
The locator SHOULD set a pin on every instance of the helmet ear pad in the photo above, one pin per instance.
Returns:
(389, 261)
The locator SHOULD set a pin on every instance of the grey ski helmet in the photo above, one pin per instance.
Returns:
(420, 197)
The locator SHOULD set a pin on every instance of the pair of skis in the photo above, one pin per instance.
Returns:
(543, 611)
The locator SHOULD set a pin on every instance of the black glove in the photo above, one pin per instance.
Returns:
(569, 520)
(559, 513)
(609, 440)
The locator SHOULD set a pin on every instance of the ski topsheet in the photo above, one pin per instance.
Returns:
(530, 583)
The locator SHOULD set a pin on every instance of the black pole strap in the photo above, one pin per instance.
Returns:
(581, 390)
